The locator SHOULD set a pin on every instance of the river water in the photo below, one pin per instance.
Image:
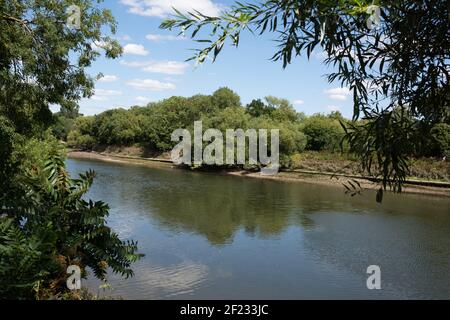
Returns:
(208, 236)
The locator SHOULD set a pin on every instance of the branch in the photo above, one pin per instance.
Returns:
(23, 23)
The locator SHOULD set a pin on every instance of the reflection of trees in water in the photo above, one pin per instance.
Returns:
(217, 206)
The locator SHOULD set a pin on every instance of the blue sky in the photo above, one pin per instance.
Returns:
(153, 66)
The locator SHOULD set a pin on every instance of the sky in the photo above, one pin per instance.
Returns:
(153, 65)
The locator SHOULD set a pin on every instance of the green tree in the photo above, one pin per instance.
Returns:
(117, 127)
(401, 62)
(43, 62)
(61, 229)
(225, 97)
(440, 133)
(282, 109)
(323, 133)
(257, 108)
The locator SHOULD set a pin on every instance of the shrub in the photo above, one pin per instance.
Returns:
(52, 227)
(440, 134)
(323, 133)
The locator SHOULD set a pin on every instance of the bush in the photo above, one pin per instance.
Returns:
(226, 98)
(52, 227)
(323, 133)
(81, 141)
(440, 134)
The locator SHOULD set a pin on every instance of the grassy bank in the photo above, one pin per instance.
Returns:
(426, 169)
(315, 169)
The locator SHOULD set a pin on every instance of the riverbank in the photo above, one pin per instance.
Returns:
(304, 176)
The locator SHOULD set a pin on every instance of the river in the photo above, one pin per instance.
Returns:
(208, 236)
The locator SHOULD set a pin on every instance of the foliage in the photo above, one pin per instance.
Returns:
(57, 228)
(43, 61)
(25, 261)
(257, 108)
(45, 224)
(153, 125)
(324, 133)
(401, 62)
(440, 133)
(61, 127)
(382, 142)
(225, 98)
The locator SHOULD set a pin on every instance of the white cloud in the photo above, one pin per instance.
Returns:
(104, 94)
(136, 49)
(333, 108)
(135, 64)
(108, 78)
(142, 100)
(125, 37)
(298, 102)
(150, 84)
(164, 8)
(338, 97)
(99, 98)
(161, 37)
(342, 91)
(165, 67)
(340, 94)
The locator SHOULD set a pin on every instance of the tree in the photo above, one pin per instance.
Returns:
(61, 229)
(225, 97)
(43, 218)
(43, 60)
(440, 133)
(257, 108)
(323, 133)
(282, 109)
(402, 61)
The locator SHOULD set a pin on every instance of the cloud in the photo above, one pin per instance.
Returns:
(108, 78)
(104, 94)
(342, 91)
(165, 67)
(142, 100)
(126, 37)
(135, 64)
(164, 8)
(333, 108)
(150, 84)
(161, 37)
(298, 102)
(136, 49)
(340, 94)
(338, 97)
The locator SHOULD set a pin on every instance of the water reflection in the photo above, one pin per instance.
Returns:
(209, 236)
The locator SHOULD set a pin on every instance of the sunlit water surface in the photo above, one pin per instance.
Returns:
(208, 236)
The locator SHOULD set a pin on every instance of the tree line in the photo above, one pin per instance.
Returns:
(152, 125)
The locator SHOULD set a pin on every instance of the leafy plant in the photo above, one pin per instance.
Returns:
(53, 226)
(402, 61)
